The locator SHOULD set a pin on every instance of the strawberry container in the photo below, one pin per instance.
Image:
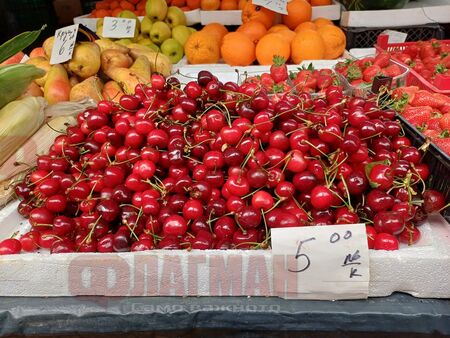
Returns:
(437, 160)
(414, 78)
(364, 90)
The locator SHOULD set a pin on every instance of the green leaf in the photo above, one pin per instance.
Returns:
(18, 43)
(368, 169)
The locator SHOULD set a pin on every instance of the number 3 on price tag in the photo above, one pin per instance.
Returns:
(65, 39)
(118, 27)
(321, 262)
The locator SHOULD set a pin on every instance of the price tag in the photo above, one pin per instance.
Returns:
(64, 44)
(279, 6)
(395, 36)
(118, 27)
(321, 262)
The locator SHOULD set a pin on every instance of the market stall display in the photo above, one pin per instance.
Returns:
(178, 162)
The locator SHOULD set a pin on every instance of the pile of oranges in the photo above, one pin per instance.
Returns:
(114, 7)
(212, 5)
(296, 39)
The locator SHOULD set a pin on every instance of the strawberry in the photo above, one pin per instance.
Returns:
(370, 72)
(425, 98)
(353, 72)
(409, 91)
(418, 116)
(443, 143)
(444, 122)
(393, 70)
(266, 80)
(306, 79)
(278, 70)
(433, 124)
(357, 83)
(365, 62)
(324, 81)
(382, 60)
(431, 133)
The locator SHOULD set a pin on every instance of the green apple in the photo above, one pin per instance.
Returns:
(160, 32)
(172, 49)
(175, 17)
(130, 15)
(146, 26)
(156, 9)
(181, 34)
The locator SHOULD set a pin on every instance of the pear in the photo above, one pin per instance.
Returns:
(160, 31)
(112, 58)
(105, 44)
(129, 78)
(156, 10)
(124, 42)
(38, 51)
(146, 25)
(57, 85)
(175, 17)
(89, 88)
(73, 80)
(99, 27)
(181, 34)
(159, 63)
(130, 15)
(112, 91)
(42, 63)
(48, 46)
(85, 60)
(193, 30)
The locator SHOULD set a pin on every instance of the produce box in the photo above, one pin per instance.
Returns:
(414, 78)
(418, 12)
(422, 270)
(192, 18)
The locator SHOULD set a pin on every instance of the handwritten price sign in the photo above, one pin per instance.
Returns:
(279, 6)
(322, 262)
(118, 27)
(64, 44)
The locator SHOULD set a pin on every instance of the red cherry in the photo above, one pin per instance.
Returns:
(10, 246)
(384, 241)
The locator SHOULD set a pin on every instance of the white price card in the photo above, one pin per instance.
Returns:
(278, 6)
(321, 262)
(118, 27)
(64, 44)
(395, 36)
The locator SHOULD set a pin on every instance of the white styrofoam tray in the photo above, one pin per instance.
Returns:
(418, 12)
(422, 270)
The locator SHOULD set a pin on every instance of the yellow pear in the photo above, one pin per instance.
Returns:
(146, 26)
(159, 62)
(124, 42)
(112, 91)
(112, 58)
(57, 85)
(89, 88)
(73, 80)
(85, 60)
(105, 44)
(129, 78)
(42, 63)
(48, 46)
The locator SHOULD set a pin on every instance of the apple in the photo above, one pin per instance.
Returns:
(181, 34)
(175, 17)
(160, 32)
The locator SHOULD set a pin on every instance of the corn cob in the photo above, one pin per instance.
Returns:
(19, 120)
(14, 80)
(25, 157)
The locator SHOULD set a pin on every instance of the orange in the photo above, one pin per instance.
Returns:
(102, 5)
(126, 5)
(298, 11)
(242, 3)
(228, 5)
(101, 13)
(216, 30)
(200, 48)
(320, 2)
(307, 45)
(306, 25)
(286, 34)
(334, 39)
(178, 3)
(319, 22)
(254, 29)
(251, 12)
(210, 5)
(116, 11)
(185, 9)
(114, 4)
(277, 28)
(193, 4)
(270, 45)
(237, 49)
